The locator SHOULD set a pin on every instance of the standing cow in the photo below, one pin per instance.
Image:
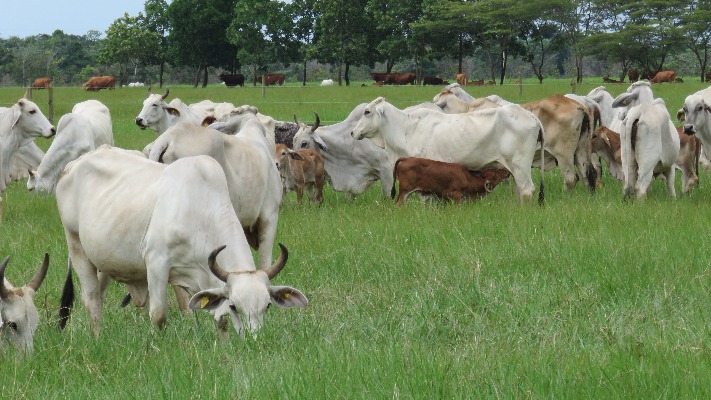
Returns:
(96, 83)
(301, 170)
(42, 83)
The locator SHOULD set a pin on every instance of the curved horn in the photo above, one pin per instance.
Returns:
(4, 292)
(318, 122)
(167, 91)
(214, 267)
(37, 280)
(296, 120)
(279, 264)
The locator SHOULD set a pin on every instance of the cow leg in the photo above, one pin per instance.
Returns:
(182, 297)
(670, 175)
(644, 179)
(91, 290)
(267, 227)
(157, 279)
(524, 183)
(299, 192)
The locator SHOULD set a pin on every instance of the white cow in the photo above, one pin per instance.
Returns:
(252, 177)
(226, 124)
(158, 115)
(649, 140)
(457, 90)
(609, 117)
(351, 164)
(172, 222)
(86, 128)
(19, 318)
(697, 120)
(19, 126)
(508, 135)
(327, 82)
(26, 158)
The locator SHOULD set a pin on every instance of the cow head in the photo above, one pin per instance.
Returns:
(154, 110)
(694, 113)
(369, 124)
(637, 93)
(19, 318)
(247, 295)
(29, 122)
(307, 137)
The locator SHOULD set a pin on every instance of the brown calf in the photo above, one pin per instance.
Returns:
(444, 180)
(301, 169)
(461, 79)
(663, 76)
(96, 83)
(41, 83)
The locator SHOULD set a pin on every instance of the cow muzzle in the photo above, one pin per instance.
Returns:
(141, 124)
(689, 129)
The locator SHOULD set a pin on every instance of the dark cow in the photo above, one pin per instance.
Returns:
(272, 79)
(400, 78)
(232, 80)
(664, 76)
(633, 74)
(42, 83)
(96, 83)
(708, 76)
(607, 79)
(433, 80)
(648, 75)
(379, 76)
(444, 180)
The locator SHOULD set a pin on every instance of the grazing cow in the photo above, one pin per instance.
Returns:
(177, 226)
(232, 80)
(301, 170)
(352, 165)
(664, 76)
(633, 74)
(480, 82)
(606, 143)
(404, 78)
(96, 83)
(508, 135)
(136, 84)
(327, 82)
(649, 142)
(433, 80)
(42, 83)
(19, 318)
(86, 128)
(567, 130)
(19, 125)
(444, 180)
(271, 79)
(461, 79)
(457, 90)
(158, 115)
(451, 104)
(379, 76)
(647, 74)
(254, 184)
(607, 79)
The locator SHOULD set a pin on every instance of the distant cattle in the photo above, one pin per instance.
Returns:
(461, 79)
(232, 80)
(96, 83)
(648, 74)
(379, 76)
(607, 79)
(136, 84)
(42, 83)
(633, 74)
(444, 180)
(327, 82)
(406, 78)
(433, 80)
(663, 76)
(272, 79)
(480, 82)
(708, 76)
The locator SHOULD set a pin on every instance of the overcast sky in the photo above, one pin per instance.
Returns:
(24, 18)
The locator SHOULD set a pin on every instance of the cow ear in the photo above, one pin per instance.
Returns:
(16, 113)
(320, 143)
(287, 296)
(207, 300)
(624, 99)
(296, 156)
(172, 111)
(681, 115)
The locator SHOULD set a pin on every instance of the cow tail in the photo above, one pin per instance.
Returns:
(67, 300)
(393, 191)
(697, 154)
(627, 147)
(541, 190)
(126, 299)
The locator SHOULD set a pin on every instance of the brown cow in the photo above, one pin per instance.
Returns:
(480, 82)
(444, 180)
(648, 74)
(379, 76)
(633, 74)
(42, 83)
(272, 79)
(461, 79)
(400, 78)
(607, 79)
(664, 76)
(433, 80)
(606, 143)
(301, 169)
(96, 83)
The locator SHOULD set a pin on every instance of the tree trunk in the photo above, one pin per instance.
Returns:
(579, 68)
(304, 84)
(348, 78)
(254, 73)
(204, 78)
(197, 76)
(504, 60)
(340, 65)
(160, 74)
(461, 52)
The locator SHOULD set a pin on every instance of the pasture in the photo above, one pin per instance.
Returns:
(586, 297)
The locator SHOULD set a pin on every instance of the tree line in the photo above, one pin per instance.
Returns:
(252, 35)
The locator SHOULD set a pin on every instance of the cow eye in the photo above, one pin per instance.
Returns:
(33, 111)
(367, 112)
(233, 308)
(304, 145)
(12, 325)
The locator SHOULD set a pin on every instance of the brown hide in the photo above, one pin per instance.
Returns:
(664, 76)
(96, 83)
(305, 170)
(41, 83)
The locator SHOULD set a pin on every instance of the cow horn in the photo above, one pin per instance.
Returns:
(214, 267)
(37, 280)
(4, 292)
(167, 91)
(279, 264)
(318, 122)
(296, 120)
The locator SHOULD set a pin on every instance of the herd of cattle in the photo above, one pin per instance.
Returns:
(189, 206)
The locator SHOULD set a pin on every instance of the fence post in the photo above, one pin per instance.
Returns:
(574, 85)
(520, 85)
(28, 93)
(264, 87)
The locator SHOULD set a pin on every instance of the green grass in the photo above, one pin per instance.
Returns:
(587, 297)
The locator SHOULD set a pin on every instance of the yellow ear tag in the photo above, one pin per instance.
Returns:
(287, 296)
(204, 301)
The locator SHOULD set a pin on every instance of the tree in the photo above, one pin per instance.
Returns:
(694, 20)
(500, 32)
(156, 21)
(198, 36)
(392, 24)
(305, 16)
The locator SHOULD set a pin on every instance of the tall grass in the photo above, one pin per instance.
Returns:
(587, 297)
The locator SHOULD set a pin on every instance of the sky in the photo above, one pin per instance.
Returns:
(76, 17)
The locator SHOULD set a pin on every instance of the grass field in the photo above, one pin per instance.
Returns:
(587, 297)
